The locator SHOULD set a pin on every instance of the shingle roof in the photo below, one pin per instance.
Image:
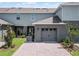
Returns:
(27, 10)
(44, 21)
(2, 22)
(47, 21)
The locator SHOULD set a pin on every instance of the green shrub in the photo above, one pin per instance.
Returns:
(22, 36)
(9, 36)
(13, 34)
(67, 43)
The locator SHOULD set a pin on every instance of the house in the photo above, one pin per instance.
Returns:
(43, 24)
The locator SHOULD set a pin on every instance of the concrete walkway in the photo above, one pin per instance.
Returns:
(41, 49)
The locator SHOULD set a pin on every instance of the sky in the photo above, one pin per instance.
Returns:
(29, 4)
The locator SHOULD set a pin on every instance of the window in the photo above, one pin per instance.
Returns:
(42, 29)
(50, 29)
(54, 29)
(18, 18)
(46, 29)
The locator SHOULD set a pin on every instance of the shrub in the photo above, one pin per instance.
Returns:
(73, 31)
(67, 43)
(9, 36)
(13, 34)
(21, 36)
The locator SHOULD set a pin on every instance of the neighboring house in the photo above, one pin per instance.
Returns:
(43, 24)
(69, 12)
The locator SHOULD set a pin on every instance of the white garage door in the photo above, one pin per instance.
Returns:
(48, 34)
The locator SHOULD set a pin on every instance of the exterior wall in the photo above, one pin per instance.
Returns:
(59, 13)
(26, 19)
(37, 34)
(61, 32)
(70, 13)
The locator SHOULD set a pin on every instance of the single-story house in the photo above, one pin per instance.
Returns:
(43, 24)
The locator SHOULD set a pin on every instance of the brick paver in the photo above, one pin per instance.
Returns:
(41, 49)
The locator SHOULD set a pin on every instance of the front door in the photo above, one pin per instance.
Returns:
(30, 32)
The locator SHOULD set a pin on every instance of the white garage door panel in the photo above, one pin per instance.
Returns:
(44, 35)
(48, 35)
(52, 35)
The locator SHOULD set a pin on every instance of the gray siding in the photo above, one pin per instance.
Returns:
(62, 32)
(70, 13)
(26, 19)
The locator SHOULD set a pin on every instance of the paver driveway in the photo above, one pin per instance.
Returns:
(41, 49)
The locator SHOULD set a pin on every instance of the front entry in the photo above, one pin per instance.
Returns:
(18, 30)
(30, 31)
(48, 34)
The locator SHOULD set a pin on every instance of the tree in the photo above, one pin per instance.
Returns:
(8, 37)
(73, 31)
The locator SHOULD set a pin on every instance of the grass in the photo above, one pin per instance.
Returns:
(8, 52)
(75, 53)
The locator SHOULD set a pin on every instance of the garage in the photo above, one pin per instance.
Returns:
(48, 34)
(46, 31)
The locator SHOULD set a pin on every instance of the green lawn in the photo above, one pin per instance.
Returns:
(75, 53)
(8, 52)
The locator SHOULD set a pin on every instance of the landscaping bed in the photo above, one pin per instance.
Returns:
(9, 51)
(68, 42)
(74, 51)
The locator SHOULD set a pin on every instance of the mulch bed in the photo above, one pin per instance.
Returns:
(75, 48)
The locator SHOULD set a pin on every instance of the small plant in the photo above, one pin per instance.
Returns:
(68, 43)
